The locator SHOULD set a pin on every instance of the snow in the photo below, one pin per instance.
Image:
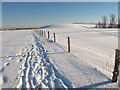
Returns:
(30, 60)
(95, 46)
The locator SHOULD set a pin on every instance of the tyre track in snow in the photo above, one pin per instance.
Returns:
(38, 72)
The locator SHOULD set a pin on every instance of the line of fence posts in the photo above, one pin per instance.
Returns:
(42, 32)
(54, 35)
(116, 66)
(117, 56)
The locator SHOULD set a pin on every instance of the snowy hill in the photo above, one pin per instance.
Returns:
(66, 26)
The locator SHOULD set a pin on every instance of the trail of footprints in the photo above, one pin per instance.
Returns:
(37, 71)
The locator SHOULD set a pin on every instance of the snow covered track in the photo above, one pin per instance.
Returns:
(38, 72)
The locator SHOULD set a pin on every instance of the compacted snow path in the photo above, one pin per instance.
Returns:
(37, 70)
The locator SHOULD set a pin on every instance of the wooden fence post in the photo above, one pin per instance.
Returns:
(54, 37)
(48, 35)
(40, 31)
(44, 34)
(68, 44)
(116, 67)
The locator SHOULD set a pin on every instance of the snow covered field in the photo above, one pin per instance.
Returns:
(31, 60)
(94, 46)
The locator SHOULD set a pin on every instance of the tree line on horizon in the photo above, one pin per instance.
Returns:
(112, 23)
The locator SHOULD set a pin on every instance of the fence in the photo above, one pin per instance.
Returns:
(100, 59)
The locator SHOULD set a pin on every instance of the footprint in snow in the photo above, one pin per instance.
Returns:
(5, 79)
(20, 60)
(6, 64)
(11, 58)
(1, 70)
(7, 56)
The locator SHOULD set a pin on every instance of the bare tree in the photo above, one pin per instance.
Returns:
(112, 21)
(104, 22)
(96, 25)
(99, 24)
(119, 22)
